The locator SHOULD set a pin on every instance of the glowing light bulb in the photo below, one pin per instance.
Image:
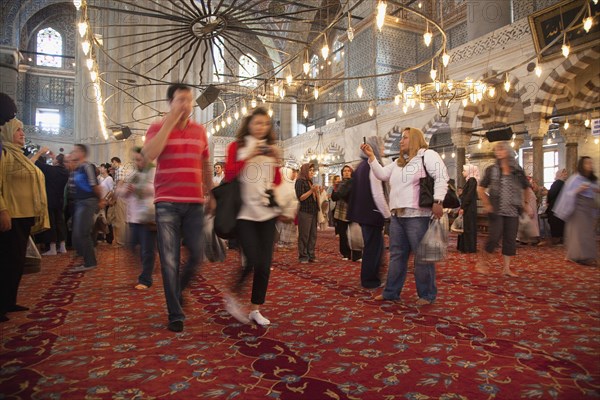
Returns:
(212, 130)
(587, 23)
(253, 103)
(549, 141)
(244, 110)
(359, 90)
(566, 125)
(420, 5)
(350, 33)
(443, 156)
(427, 36)
(381, 7)
(445, 59)
(82, 27)
(229, 119)
(453, 155)
(85, 46)
(306, 68)
(566, 49)
(450, 84)
(223, 124)
(89, 63)
(512, 144)
(586, 122)
(538, 70)
(397, 99)
(405, 108)
(340, 112)
(305, 112)
(401, 85)
(371, 110)
(77, 4)
(507, 84)
(491, 91)
(465, 101)
(433, 74)
(596, 141)
(422, 106)
(236, 115)
(316, 93)
(289, 79)
(325, 51)
(479, 144)
(93, 75)
(276, 89)
(270, 112)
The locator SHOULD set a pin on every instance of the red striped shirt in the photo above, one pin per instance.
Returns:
(179, 167)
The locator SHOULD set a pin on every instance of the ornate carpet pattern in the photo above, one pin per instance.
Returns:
(92, 336)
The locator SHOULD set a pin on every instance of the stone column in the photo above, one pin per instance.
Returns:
(461, 141)
(288, 118)
(9, 71)
(537, 130)
(485, 16)
(572, 136)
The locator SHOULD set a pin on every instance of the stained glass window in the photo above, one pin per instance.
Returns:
(248, 69)
(218, 54)
(49, 41)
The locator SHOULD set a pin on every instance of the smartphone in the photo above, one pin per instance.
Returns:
(364, 140)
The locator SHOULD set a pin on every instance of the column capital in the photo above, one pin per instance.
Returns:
(460, 138)
(573, 134)
(537, 128)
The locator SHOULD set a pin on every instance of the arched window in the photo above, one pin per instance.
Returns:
(248, 69)
(219, 64)
(49, 41)
(314, 66)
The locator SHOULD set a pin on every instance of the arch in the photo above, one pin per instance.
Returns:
(16, 15)
(466, 115)
(555, 83)
(434, 125)
(49, 41)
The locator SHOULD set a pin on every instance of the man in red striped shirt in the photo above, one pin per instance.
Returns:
(183, 178)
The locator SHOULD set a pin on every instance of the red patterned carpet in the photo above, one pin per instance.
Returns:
(93, 336)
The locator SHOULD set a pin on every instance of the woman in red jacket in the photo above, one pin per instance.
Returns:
(253, 159)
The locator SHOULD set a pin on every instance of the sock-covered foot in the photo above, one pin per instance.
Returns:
(235, 310)
(257, 317)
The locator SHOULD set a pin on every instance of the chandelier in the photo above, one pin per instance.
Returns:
(323, 156)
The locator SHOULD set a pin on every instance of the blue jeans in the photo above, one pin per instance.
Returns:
(405, 236)
(174, 222)
(371, 256)
(83, 223)
(139, 234)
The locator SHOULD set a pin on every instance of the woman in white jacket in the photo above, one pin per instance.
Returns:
(409, 222)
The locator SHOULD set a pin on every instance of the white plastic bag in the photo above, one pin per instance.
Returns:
(526, 228)
(457, 225)
(434, 245)
(355, 239)
(214, 247)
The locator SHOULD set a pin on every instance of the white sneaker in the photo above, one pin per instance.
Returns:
(234, 309)
(257, 317)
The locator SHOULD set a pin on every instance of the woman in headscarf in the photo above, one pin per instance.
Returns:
(23, 211)
(368, 206)
(507, 185)
(577, 205)
(308, 196)
(409, 221)
(467, 241)
(341, 196)
(557, 225)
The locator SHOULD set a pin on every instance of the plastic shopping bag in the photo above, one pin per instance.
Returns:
(434, 245)
(526, 228)
(457, 225)
(214, 247)
(355, 239)
(33, 258)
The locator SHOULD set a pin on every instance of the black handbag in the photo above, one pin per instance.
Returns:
(451, 199)
(425, 188)
(229, 202)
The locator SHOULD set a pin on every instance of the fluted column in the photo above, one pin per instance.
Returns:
(461, 141)
(572, 136)
(537, 130)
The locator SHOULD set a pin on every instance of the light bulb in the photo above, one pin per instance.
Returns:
(418, 88)
(212, 130)
(244, 110)
(596, 141)
(93, 75)
(77, 4)
(218, 127)
(453, 155)
(89, 63)
(397, 99)
(450, 84)
(491, 91)
(381, 7)
(566, 125)
(538, 70)
(433, 74)
(306, 68)
(443, 156)
(507, 84)
(316, 93)
(405, 108)
(445, 59)
(253, 103)
(305, 113)
(350, 33)
(512, 144)
(228, 119)
(479, 144)
(82, 26)
(276, 89)
(371, 111)
(340, 112)
(270, 112)
(549, 141)
(223, 124)
(427, 36)
(325, 51)
(281, 94)
(586, 122)
(420, 5)
(401, 85)
(565, 50)
(289, 79)
(587, 23)
(359, 90)
(236, 115)
(465, 101)
(85, 46)
(422, 106)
